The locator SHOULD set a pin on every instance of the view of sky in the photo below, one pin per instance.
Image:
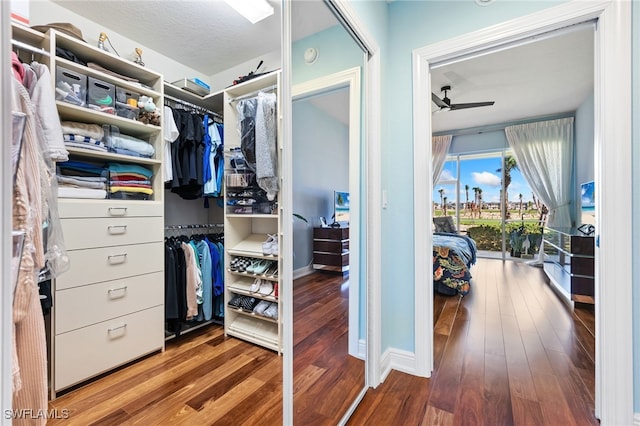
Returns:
(482, 173)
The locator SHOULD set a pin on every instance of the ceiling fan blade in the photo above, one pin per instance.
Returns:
(439, 102)
(471, 105)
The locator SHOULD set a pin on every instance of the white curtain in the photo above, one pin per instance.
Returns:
(544, 154)
(439, 150)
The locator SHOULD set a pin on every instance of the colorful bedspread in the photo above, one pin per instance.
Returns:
(453, 256)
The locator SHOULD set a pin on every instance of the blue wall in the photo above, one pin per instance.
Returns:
(320, 166)
(337, 52)
(416, 24)
(413, 25)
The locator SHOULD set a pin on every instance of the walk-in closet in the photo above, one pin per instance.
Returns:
(162, 190)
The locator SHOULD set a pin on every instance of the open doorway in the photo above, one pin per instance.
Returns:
(611, 351)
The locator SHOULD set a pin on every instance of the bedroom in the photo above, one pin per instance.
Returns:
(558, 83)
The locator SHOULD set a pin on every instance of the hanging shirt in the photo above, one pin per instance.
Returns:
(170, 135)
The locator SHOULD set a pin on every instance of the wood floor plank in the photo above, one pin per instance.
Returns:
(447, 316)
(520, 380)
(470, 399)
(447, 381)
(436, 417)
(527, 412)
(509, 353)
(504, 332)
(497, 410)
(552, 400)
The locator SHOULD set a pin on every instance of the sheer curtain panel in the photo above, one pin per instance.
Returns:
(544, 152)
(439, 150)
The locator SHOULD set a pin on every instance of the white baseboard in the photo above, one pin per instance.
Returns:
(306, 270)
(397, 359)
(636, 419)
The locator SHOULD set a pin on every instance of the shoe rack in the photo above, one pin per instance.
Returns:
(252, 230)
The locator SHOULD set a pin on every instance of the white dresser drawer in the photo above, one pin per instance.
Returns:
(79, 307)
(68, 208)
(87, 352)
(110, 263)
(81, 233)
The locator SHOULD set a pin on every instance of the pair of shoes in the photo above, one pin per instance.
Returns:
(259, 266)
(270, 246)
(275, 290)
(272, 271)
(255, 286)
(271, 311)
(266, 288)
(235, 301)
(262, 287)
(261, 307)
(248, 303)
(240, 264)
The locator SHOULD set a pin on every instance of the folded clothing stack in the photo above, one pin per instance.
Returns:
(81, 179)
(82, 135)
(128, 145)
(129, 181)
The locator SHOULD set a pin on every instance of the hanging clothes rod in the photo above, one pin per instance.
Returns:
(254, 93)
(192, 105)
(194, 226)
(30, 48)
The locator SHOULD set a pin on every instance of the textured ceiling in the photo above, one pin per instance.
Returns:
(545, 77)
(208, 36)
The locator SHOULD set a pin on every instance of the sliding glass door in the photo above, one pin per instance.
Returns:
(491, 202)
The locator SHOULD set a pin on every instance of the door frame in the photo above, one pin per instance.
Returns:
(612, 128)
(371, 193)
(347, 79)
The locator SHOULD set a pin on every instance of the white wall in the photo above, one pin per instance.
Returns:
(584, 141)
(43, 12)
(272, 62)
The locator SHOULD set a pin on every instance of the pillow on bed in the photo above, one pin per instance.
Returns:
(444, 224)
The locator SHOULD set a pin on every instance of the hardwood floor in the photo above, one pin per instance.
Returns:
(326, 378)
(204, 378)
(508, 353)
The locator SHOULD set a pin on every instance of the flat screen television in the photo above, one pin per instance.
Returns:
(588, 202)
(341, 207)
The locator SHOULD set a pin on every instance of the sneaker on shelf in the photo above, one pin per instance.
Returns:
(270, 246)
(267, 246)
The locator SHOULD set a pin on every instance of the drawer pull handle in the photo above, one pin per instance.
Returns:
(122, 257)
(123, 289)
(117, 211)
(117, 229)
(111, 330)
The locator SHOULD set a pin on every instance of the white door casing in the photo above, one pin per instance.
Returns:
(612, 129)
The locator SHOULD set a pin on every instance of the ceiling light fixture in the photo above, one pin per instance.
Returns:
(252, 10)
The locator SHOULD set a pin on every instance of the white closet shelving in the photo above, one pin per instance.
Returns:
(246, 231)
(108, 308)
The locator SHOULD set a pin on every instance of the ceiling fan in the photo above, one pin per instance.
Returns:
(445, 103)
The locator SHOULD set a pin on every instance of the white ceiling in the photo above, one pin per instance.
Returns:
(208, 36)
(541, 78)
(545, 77)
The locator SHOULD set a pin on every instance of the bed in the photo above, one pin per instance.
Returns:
(453, 255)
